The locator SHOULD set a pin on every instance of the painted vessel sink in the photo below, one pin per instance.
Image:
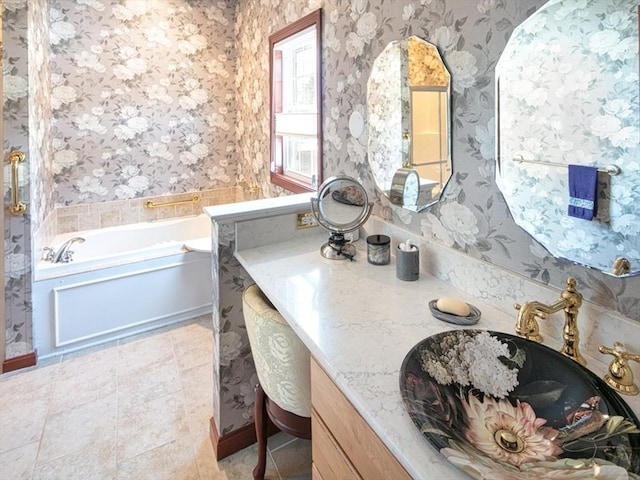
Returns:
(501, 407)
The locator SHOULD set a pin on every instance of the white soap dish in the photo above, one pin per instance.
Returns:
(470, 319)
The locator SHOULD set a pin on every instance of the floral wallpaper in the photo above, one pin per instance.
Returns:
(234, 373)
(110, 101)
(26, 121)
(595, 50)
(40, 115)
(472, 216)
(471, 36)
(143, 98)
(184, 88)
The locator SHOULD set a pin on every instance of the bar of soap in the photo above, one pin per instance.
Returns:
(453, 306)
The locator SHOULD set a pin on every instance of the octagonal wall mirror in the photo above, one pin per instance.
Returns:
(408, 103)
(296, 104)
(567, 98)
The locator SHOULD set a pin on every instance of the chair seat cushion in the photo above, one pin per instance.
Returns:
(282, 361)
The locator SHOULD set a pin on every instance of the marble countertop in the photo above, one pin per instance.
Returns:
(359, 321)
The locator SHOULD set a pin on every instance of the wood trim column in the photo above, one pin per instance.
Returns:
(3, 311)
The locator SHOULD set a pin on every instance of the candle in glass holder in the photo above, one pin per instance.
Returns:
(378, 249)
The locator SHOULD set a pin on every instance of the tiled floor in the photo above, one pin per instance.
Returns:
(137, 408)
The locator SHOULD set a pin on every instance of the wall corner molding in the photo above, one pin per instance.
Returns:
(19, 362)
(236, 440)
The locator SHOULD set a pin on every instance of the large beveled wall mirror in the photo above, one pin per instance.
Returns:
(295, 54)
(567, 96)
(408, 102)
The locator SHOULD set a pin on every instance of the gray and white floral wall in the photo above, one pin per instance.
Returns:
(110, 100)
(473, 217)
(130, 138)
(143, 98)
(26, 127)
(470, 35)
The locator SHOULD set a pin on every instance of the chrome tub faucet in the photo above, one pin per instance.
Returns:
(64, 254)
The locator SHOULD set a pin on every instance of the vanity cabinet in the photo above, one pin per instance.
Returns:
(343, 445)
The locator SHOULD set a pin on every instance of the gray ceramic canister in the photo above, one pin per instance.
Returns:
(408, 264)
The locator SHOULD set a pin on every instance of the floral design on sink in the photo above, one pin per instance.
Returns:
(501, 407)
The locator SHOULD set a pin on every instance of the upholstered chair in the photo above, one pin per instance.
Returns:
(282, 364)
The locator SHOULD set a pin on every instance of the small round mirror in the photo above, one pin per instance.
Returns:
(342, 206)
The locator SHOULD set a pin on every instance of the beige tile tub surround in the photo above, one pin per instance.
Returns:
(123, 212)
(134, 408)
(91, 216)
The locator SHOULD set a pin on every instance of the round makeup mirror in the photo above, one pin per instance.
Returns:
(341, 207)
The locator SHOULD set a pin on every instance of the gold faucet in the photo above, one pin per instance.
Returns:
(620, 376)
(570, 301)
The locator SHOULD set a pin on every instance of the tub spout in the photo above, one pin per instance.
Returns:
(64, 255)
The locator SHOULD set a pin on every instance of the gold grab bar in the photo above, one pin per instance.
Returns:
(152, 204)
(251, 188)
(612, 170)
(17, 207)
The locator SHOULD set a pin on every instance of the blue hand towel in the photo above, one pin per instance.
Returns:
(583, 191)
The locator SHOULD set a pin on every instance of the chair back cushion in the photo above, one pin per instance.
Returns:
(282, 361)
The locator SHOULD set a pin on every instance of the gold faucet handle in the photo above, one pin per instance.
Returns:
(530, 328)
(536, 313)
(620, 376)
(621, 266)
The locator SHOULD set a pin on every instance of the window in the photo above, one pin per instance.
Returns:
(296, 105)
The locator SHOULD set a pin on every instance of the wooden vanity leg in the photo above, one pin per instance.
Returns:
(261, 422)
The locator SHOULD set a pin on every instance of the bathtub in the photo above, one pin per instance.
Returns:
(122, 281)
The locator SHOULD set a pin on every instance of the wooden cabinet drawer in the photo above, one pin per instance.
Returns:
(328, 457)
(365, 451)
(315, 475)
